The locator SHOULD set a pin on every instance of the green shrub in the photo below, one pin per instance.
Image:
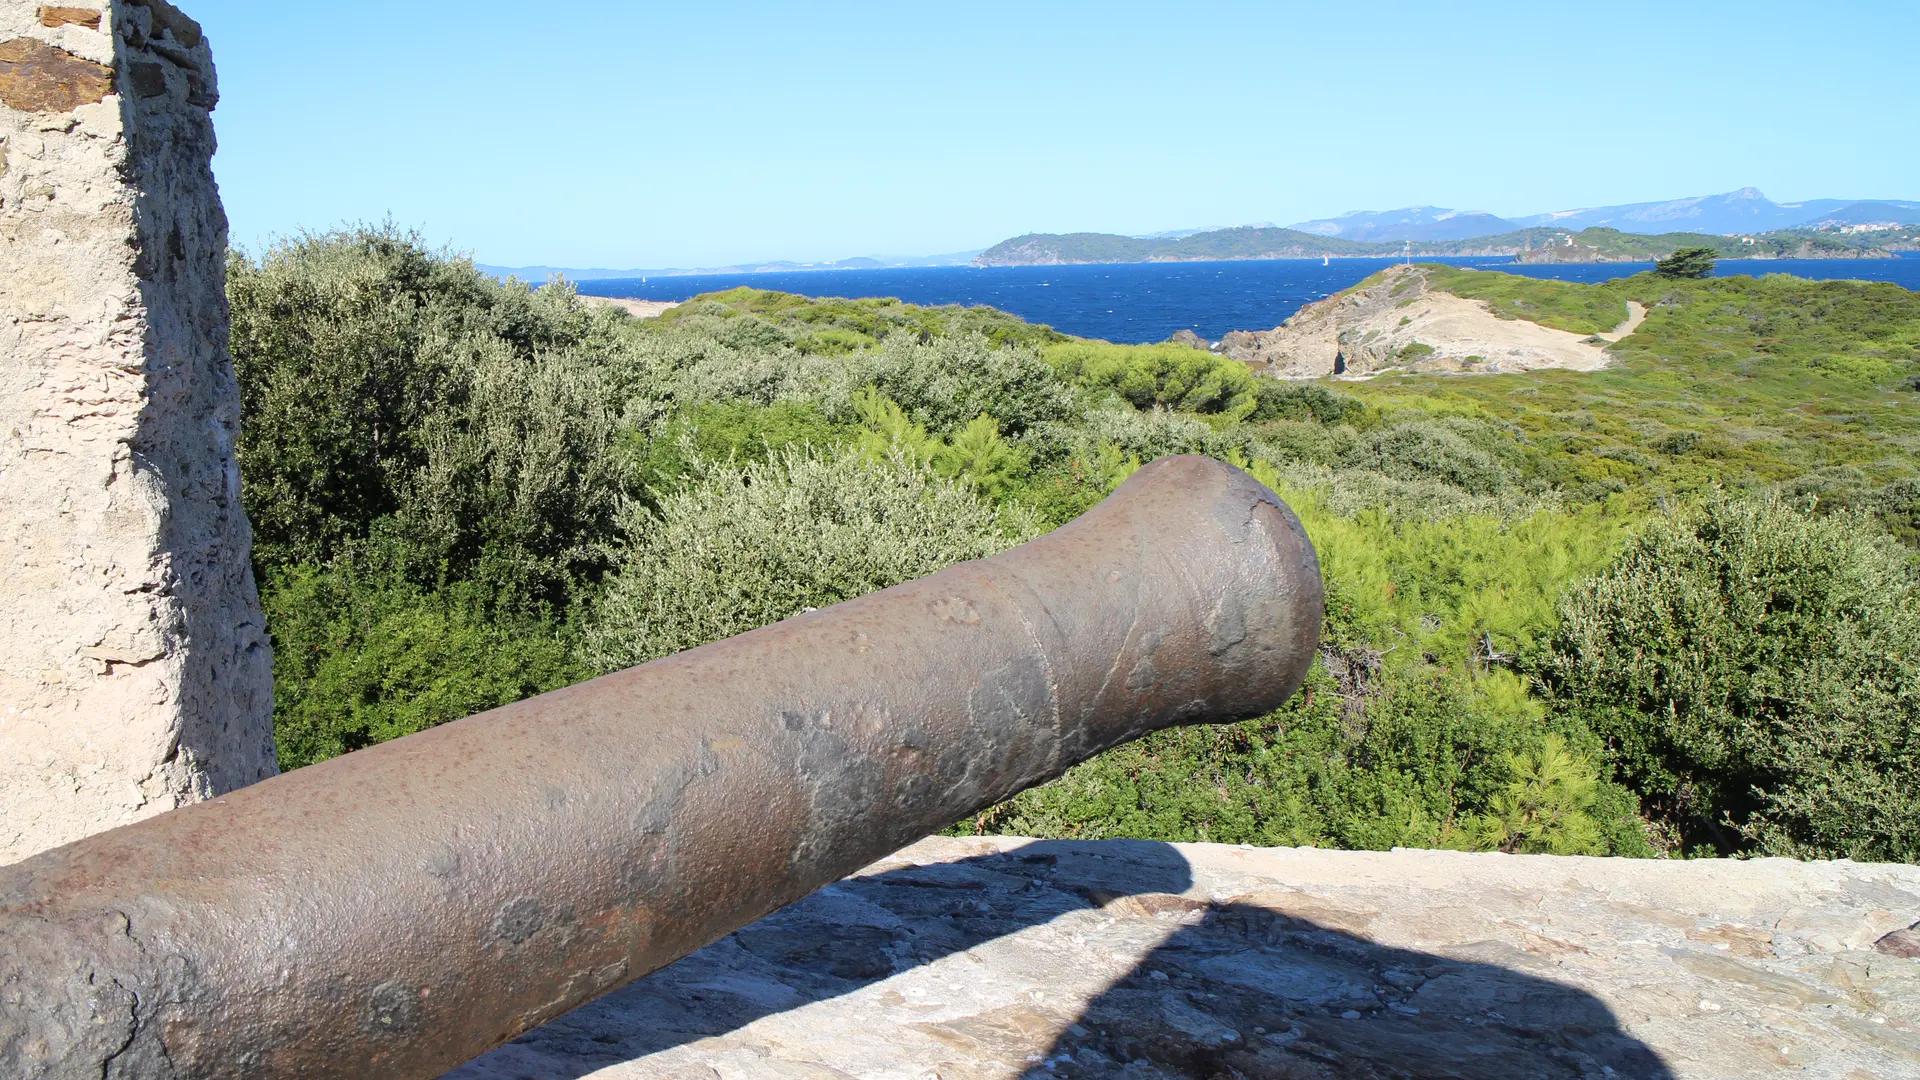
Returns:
(1155, 433)
(1418, 762)
(1307, 442)
(1555, 804)
(361, 658)
(946, 383)
(1166, 376)
(1756, 671)
(381, 383)
(1290, 400)
(747, 545)
(835, 325)
(1898, 507)
(1453, 452)
(735, 431)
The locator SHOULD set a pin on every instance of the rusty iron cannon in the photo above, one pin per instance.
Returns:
(403, 909)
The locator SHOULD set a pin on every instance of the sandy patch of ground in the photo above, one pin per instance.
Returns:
(639, 309)
(1636, 314)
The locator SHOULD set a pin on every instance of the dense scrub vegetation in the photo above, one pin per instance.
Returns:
(1753, 667)
(1663, 608)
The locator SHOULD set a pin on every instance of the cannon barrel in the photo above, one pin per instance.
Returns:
(405, 908)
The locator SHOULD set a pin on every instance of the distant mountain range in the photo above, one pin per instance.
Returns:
(1599, 243)
(1420, 223)
(1742, 212)
(1432, 230)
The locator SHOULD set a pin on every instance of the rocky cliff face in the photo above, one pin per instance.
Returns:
(1400, 323)
(134, 669)
(1002, 958)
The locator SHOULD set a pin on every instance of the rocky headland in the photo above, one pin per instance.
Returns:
(1398, 321)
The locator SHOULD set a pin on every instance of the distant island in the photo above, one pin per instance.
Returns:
(1532, 245)
(1739, 224)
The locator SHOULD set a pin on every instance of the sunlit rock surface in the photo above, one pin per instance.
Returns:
(964, 959)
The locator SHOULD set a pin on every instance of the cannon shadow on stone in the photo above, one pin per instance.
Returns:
(1232, 989)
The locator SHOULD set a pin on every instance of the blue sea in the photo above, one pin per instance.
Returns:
(1143, 302)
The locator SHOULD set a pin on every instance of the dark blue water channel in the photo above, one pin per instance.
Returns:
(1140, 302)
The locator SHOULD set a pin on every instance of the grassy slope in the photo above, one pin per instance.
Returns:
(837, 324)
(1730, 381)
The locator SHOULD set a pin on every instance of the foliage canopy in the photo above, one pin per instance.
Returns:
(1756, 670)
(1693, 262)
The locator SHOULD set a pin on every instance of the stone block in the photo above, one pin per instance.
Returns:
(61, 16)
(135, 674)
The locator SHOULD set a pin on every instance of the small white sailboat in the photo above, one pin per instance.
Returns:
(1326, 260)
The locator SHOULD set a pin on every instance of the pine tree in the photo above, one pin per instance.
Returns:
(1687, 263)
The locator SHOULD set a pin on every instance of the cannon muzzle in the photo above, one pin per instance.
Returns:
(400, 910)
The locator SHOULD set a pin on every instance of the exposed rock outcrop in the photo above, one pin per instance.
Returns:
(1002, 958)
(1401, 323)
(134, 668)
(639, 309)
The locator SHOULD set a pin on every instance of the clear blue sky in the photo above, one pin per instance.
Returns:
(633, 134)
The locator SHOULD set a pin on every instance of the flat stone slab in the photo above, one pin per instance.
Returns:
(999, 957)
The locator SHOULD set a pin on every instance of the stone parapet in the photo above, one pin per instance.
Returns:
(999, 958)
(135, 674)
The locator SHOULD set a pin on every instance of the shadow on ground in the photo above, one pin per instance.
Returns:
(1231, 990)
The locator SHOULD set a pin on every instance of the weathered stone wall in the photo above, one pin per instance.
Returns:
(134, 666)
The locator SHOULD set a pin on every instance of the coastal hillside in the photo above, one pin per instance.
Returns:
(1601, 245)
(1399, 321)
(1046, 249)
(1540, 632)
(1421, 224)
(1538, 244)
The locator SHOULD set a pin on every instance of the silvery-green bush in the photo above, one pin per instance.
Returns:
(1756, 671)
(742, 546)
(945, 383)
(1467, 454)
